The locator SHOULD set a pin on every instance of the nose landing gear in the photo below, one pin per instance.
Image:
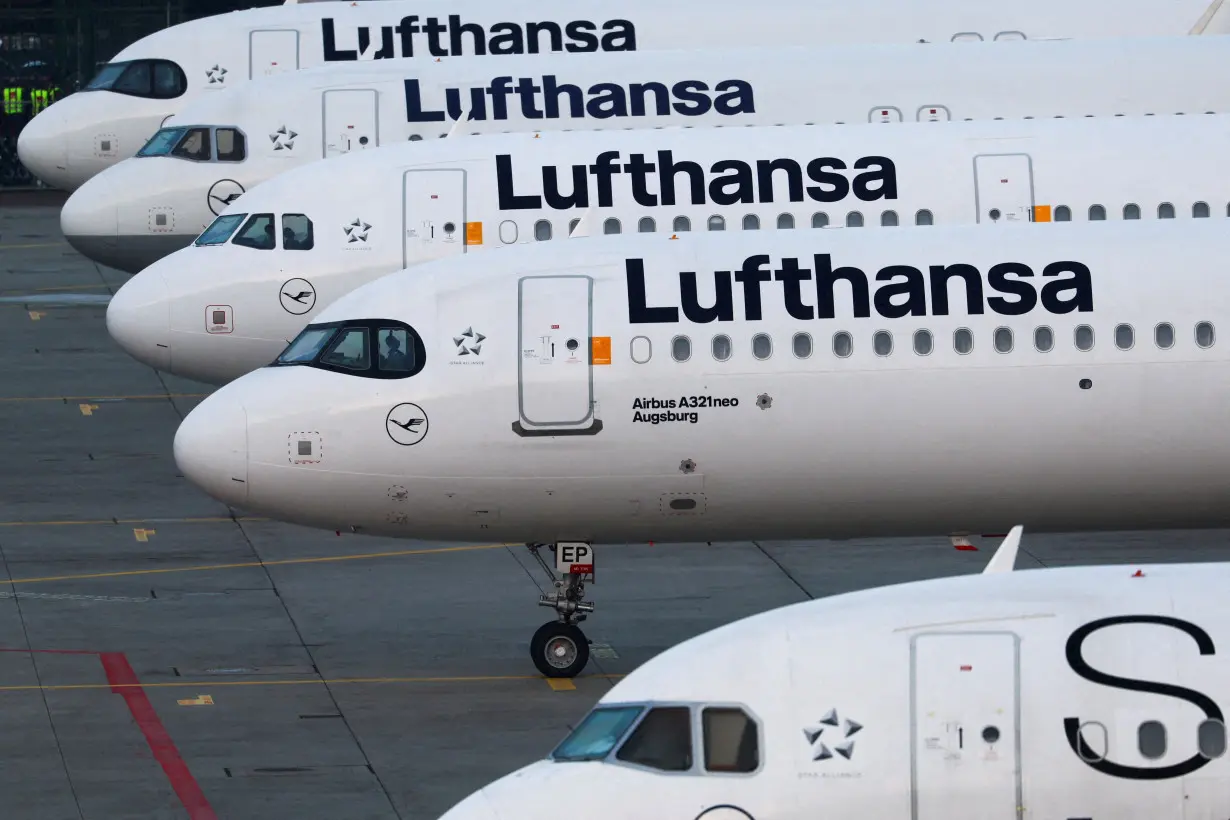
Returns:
(559, 648)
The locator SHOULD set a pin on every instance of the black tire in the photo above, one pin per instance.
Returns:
(559, 650)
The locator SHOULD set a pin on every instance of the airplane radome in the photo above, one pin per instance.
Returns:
(132, 97)
(223, 145)
(1091, 692)
(276, 257)
(742, 386)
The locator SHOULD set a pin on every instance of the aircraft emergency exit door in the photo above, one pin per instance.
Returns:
(1004, 188)
(272, 52)
(965, 689)
(351, 121)
(433, 214)
(555, 382)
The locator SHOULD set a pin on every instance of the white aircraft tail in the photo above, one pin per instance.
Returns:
(582, 226)
(1004, 559)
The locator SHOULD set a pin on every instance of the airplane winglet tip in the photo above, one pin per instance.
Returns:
(1004, 559)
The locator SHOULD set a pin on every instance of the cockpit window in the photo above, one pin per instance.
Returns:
(371, 348)
(663, 740)
(162, 142)
(154, 79)
(232, 147)
(306, 345)
(598, 733)
(194, 145)
(297, 233)
(731, 740)
(395, 353)
(349, 350)
(220, 229)
(257, 233)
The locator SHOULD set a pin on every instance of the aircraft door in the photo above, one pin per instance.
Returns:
(433, 214)
(554, 375)
(272, 52)
(965, 692)
(1004, 188)
(351, 121)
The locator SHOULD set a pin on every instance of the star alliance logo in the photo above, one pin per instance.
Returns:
(283, 138)
(357, 231)
(216, 75)
(820, 751)
(469, 343)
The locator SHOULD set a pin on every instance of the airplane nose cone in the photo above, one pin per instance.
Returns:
(42, 146)
(139, 319)
(89, 221)
(211, 448)
(475, 807)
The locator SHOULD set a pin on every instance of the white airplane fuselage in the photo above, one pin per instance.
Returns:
(212, 312)
(85, 133)
(1065, 693)
(1030, 403)
(151, 205)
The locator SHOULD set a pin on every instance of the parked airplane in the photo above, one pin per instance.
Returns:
(216, 148)
(1084, 692)
(131, 97)
(740, 386)
(274, 259)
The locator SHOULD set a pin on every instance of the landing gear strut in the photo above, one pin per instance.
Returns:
(559, 648)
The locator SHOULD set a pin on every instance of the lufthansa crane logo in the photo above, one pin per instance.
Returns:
(223, 193)
(297, 296)
(406, 424)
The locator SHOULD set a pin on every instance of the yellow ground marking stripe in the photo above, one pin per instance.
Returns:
(142, 534)
(87, 409)
(67, 399)
(248, 564)
(561, 684)
(305, 682)
(34, 245)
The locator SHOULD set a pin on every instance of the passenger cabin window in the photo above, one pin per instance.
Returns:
(888, 219)
(1063, 214)
(1096, 213)
(762, 346)
(1084, 337)
(1163, 335)
(854, 219)
(801, 345)
(1204, 334)
(1044, 339)
(1165, 211)
(843, 344)
(1151, 739)
(1211, 738)
(153, 79)
(1131, 211)
(785, 222)
(1200, 210)
(731, 741)
(962, 340)
(923, 342)
(572, 226)
(220, 229)
(1003, 339)
(924, 217)
(819, 220)
(681, 348)
(371, 348)
(751, 222)
(611, 226)
(722, 347)
(542, 230)
(681, 224)
(646, 225)
(663, 740)
(257, 233)
(1125, 337)
(597, 734)
(882, 343)
(717, 223)
(297, 233)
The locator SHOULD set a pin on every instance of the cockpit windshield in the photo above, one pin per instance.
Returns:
(598, 733)
(154, 79)
(162, 142)
(371, 348)
(220, 229)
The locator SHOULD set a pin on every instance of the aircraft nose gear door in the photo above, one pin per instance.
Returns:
(965, 709)
(350, 121)
(1004, 188)
(433, 215)
(555, 382)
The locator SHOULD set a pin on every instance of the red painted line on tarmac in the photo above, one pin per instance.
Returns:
(120, 674)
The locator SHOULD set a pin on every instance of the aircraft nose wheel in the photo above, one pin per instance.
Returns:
(559, 650)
